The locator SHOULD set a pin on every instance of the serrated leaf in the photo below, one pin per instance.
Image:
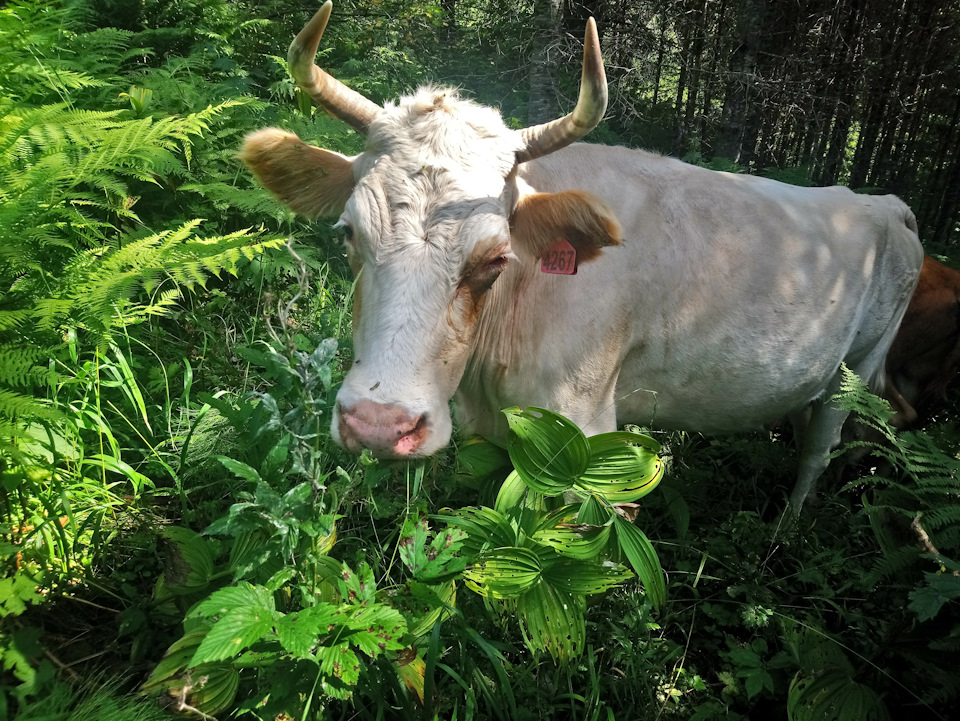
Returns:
(298, 632)
(431, 560)
(233, 633)
(341, 662)
(242, 470)
(241, 596)
(642, 557)
(546, 449)
(357, 586)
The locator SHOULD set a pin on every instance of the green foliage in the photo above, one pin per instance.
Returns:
(539, 560)
(918, 489)
(144, 395)
(89, 703)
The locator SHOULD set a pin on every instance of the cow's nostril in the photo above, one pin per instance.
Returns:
(387, 430)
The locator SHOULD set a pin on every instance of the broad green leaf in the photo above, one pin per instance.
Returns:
(927, 600)
(833, 696)
(484, 527)
(553, 621)
(643, 558)
(593, 512)
(357, 586)
(190, 561)
(576, 541)
(511, 493)
(478, 458)
(242, 470)
(175, 660)
(440, 599)
(431, 560)
(241, 596)
(504, 572)
(375, 629)
(217, 687)
(622, 466)
(341, 662)
(299, 632)
(233, 633)
(547, 450)
(580, 577)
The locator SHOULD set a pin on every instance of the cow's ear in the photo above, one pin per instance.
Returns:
(583, 220)
(308, 180)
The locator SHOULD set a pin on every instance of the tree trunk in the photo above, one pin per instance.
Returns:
(542, 106)
(738, 134)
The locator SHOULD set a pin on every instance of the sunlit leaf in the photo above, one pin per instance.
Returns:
(553, 621)
(504, 572)
(547, 450)
(233, 633)
(573, 576)
(575, 540)
(643, 559)
(622, 466)
(593, 512)
(484, 527)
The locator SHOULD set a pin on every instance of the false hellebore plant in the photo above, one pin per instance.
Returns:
(307, 635)
(542, 557)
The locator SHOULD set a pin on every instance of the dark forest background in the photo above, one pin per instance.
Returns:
(172, 340)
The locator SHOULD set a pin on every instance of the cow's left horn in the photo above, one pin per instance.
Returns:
(540, 140)
(344, 103)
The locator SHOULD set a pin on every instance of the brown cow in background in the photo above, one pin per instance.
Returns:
(925, 356)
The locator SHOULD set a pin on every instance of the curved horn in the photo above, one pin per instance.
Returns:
(342, 102)
(540, 140)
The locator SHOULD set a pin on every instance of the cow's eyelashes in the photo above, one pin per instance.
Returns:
(496, 265)
(481, 277)
(345, 228)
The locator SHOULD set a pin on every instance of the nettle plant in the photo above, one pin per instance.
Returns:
(299, 628)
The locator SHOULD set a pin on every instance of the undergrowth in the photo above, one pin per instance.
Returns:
(174, 517)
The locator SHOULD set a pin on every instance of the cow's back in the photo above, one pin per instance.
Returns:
(731, 303)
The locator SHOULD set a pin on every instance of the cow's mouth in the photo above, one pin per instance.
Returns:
(388, 431)
(408, 443)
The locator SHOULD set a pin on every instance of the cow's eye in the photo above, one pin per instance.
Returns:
(496, 265)
(482, 276)
(345, 228)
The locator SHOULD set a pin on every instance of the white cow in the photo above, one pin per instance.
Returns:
(703, 301)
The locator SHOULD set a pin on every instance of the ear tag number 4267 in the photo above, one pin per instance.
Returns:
(559, 258)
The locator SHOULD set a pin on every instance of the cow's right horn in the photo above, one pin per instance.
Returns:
(540, 140)
(342, 102)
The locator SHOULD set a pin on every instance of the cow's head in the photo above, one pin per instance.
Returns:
(432, 215)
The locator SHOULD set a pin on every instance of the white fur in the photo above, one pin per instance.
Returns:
(731, 303)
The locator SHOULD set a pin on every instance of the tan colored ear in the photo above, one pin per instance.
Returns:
(308, 180)
(582, 219)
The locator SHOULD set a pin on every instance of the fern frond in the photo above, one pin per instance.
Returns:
(18, 365)
(895, 561)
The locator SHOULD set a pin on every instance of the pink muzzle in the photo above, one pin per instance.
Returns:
(387, 430)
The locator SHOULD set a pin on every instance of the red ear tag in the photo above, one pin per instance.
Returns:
(559, 258)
